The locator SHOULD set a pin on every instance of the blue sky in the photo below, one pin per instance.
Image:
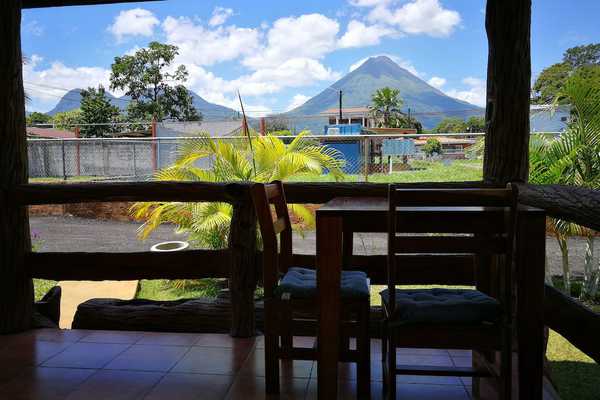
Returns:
(280, 53)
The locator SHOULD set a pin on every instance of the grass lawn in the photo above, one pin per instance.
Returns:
(160, 289)
(41, 287)
(425, 171)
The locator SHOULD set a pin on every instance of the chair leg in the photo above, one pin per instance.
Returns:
(271, 346)
(384, 346)
(363, 346)
(506, 367)
(391, 367)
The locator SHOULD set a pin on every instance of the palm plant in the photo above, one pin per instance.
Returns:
(573, 159)
(385, 105)
(207, 224)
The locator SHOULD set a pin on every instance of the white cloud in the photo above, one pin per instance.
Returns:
(45, 86)
(220, 15)
(407, 65)
(359, 35)
(306, 36)
(475, 94)
(203, 46)
(427, 17)
(297, 101)
(134, 22)
(437, 82)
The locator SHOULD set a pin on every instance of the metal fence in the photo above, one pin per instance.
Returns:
(138, 158)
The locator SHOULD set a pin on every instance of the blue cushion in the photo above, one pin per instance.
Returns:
(301, 283)
(442, 306)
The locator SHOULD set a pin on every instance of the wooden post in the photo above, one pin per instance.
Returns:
(530, 260)
(508, 25)
(16, 289)
(242, 281)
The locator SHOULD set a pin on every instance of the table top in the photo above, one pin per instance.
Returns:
(378, 206)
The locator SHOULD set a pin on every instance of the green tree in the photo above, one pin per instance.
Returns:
(432, 146)
(573, 159)
(97, 109)
(67, 120)
(404, 121)
(579, 59)
(207, 224)
(476, 124)
(155, 91)
(579, 56)
(451, 125)
(385, 106)
(38, 118)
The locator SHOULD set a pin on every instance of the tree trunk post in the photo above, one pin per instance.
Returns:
(508, 26)
(243, 277)
(16, 288)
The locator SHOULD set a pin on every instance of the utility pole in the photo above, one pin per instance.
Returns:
(340, 107)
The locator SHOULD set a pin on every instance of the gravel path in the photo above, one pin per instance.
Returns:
(80, 234)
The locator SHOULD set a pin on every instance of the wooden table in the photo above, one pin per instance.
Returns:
(363, 214)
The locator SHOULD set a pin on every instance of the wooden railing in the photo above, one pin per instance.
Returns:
(240, 262)
(567, 316)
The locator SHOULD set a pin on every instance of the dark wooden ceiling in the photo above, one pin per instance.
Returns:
(63, 3)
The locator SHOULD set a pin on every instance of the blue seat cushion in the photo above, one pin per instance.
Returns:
(442, 306)
(301, 283)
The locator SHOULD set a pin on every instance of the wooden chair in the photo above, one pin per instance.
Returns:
(444, 223)
(290, 296)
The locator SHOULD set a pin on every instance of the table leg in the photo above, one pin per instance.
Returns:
(329, 265)
(531, 249)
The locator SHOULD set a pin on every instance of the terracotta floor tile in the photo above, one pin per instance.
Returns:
(253, 388)
(421, 352)
(120, 337)
(44, 383)
(86, 355)
(462, 361)
(116, 385)
(300, 341)
(191, 387)
(255, 365)
(424, 360)
(168, 339)
(59, 335)
(220, 340)
(460, 353)
(346, 390)
(347, 371)
(30, 352)
(148, 358)
(212, 360)
(431, 392)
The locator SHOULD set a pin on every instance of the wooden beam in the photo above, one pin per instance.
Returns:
(33, 194)
(243, 274)
(571, 203)
(16, 288)
(63, 3)
(193, 264)
(318, 193)
(508, 26)
(576, 322)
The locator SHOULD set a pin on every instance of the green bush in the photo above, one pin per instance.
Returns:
(432, 146)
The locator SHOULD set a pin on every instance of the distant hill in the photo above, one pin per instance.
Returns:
(210, 111)
(428, 104)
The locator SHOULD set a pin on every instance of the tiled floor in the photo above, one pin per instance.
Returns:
(78, 364)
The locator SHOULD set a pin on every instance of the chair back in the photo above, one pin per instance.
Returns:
(451, 222)
(277, 255)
